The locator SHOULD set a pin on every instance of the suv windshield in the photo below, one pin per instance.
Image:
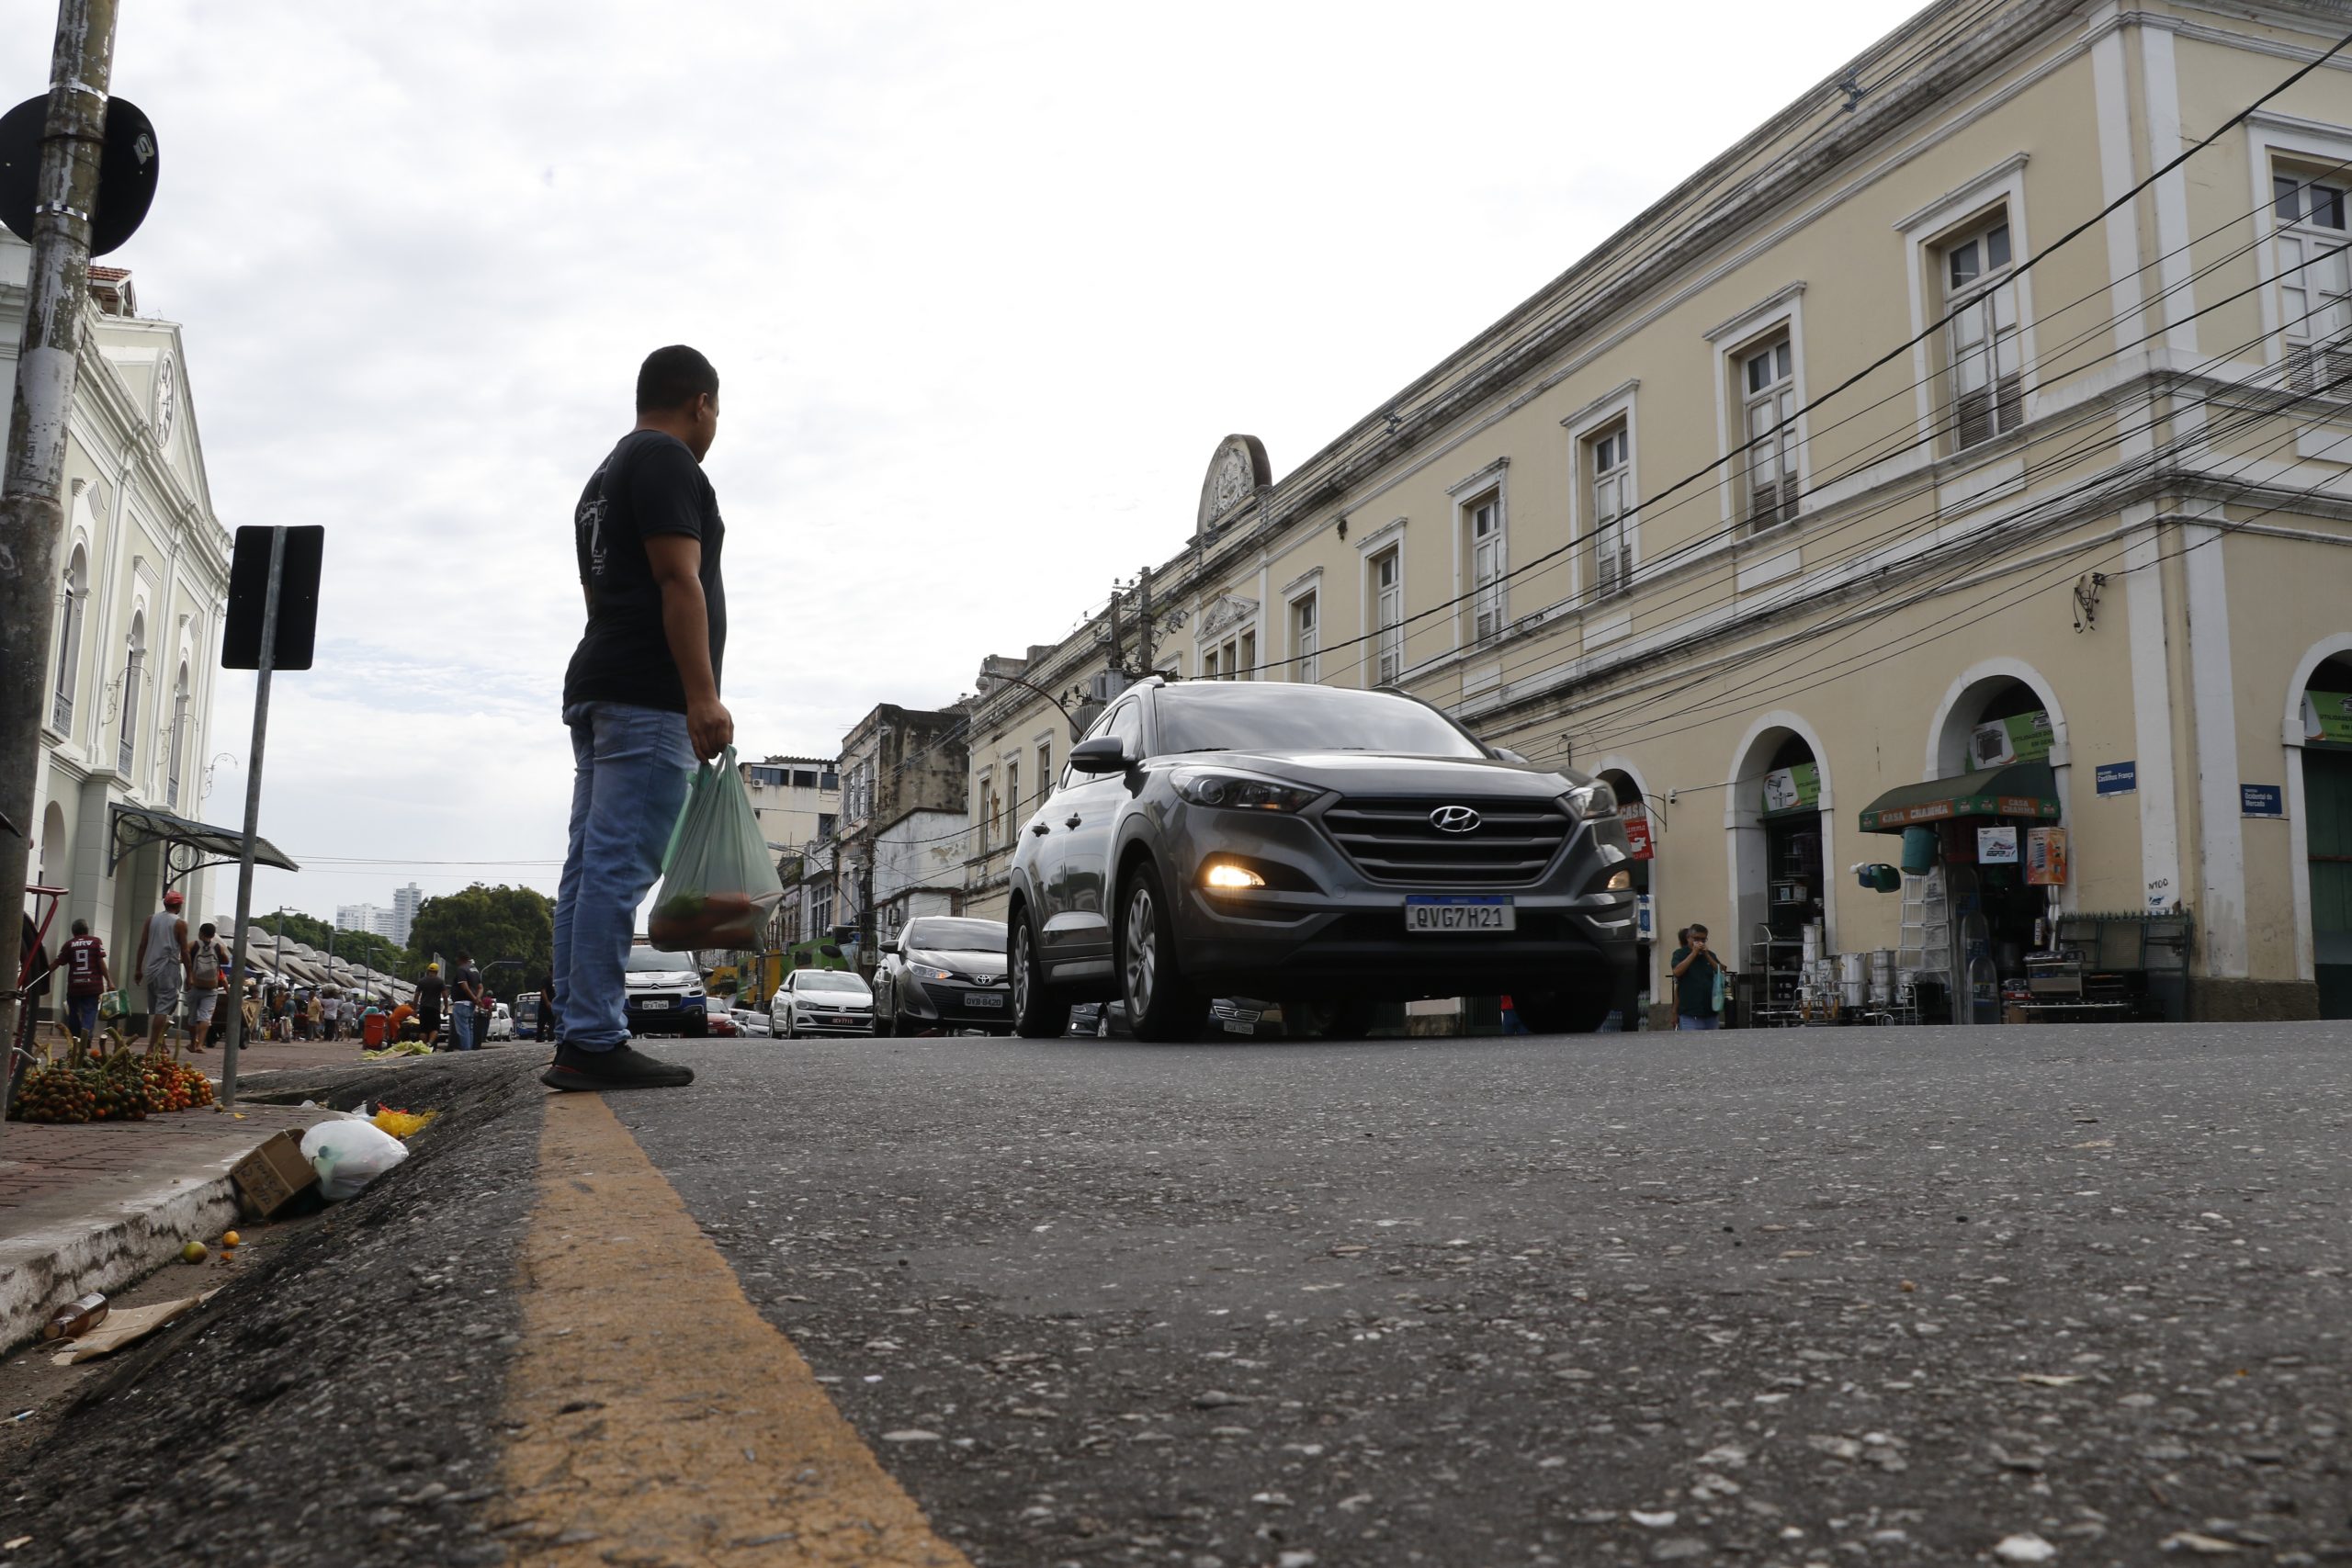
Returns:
(957, 936)
(1282, 715)
(644, 959)
(840, 980)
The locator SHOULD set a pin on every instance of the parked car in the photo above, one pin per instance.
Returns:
(722, 1023)
(1324, 847)
(502, 1022)
(1098, 1020)
(664, 993)
(944, 972)
(752, 1021)
(821, 1001)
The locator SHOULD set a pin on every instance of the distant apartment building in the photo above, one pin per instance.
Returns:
(903, 826)
(371, 917)
(405, 903)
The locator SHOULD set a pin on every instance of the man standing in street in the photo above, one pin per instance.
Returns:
(161, 964)
(86, 979)
(641, 700)
(1696, 968)
(429, 994)
(208, 972)
(467, 1017)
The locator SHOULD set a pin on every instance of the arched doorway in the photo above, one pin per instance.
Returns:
(52, 871)
(1778, 823)
(2325, 709)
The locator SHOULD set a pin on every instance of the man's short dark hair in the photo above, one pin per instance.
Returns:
(1697, 930)
(673, 377)
(80, 927)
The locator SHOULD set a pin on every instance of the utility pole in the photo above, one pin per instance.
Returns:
(80, 69)
(1143, 623)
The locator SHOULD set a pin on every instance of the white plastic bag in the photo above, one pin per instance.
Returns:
(349, 1154)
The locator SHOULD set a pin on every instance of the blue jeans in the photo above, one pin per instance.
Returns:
(631, 766)
(1684, 1020)
(461, 1025)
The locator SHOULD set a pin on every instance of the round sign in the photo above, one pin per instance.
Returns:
(126, 172)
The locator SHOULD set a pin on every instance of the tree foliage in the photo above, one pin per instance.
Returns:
(358, 947)
(494, 924)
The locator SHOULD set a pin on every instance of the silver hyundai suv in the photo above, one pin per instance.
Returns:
(1327, 847)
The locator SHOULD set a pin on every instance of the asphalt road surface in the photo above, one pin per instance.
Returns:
(1878, 1295)
(1870, 1296)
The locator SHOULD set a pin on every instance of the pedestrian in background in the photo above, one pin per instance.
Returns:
(430, 991)
(162, 966)
(1697, 971)
(86, 979)
(641, 701)
(208, 970)
(467, 1017)
(545, 1021)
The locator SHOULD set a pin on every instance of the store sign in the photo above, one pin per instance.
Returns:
(2117, 778)
(2000, 741)
(1793, 789)
(2261, 800)
(1637, 832)
(2045, 857)
(2327, 718)
(1996, 846)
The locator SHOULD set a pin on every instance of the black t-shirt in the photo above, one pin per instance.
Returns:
(466, 981)
(649, 484)
(428, 997)
(1694, 989)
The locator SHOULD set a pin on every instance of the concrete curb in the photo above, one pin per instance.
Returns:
(125, 1240)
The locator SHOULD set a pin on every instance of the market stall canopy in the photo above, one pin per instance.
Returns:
(2020, 789)
(135, 826)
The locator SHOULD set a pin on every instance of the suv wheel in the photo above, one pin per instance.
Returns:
(1039, 1013)
(1160, 1006)
(1579, 1012)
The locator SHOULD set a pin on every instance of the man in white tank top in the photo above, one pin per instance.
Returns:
(163, 965)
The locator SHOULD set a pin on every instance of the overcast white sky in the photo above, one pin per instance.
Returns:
(985, 283)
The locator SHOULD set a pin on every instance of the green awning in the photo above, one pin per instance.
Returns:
(2020, 789)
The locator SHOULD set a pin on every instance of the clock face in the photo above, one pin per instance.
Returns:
(166, 398)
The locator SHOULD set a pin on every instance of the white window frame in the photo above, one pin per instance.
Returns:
(1606, 464)
(1585, 426)
(1306, 639)
(73, 612)
(2271, 139)
(1388, 615)
(1976, 341)
(1780, 314)
(1954, 216)
(134, 664)
(1369, 647)
(183, 695)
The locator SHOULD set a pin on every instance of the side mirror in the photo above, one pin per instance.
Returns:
(1104, 754)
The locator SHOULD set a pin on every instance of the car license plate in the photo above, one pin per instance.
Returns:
(1460, 914)
(986, 999)
(651, 1003)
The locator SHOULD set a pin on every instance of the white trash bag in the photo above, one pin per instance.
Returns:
(348, 1154)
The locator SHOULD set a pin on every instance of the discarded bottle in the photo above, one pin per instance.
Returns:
(75, 1318)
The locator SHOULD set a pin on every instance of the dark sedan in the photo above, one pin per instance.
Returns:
(1324, 847)
(944, 972)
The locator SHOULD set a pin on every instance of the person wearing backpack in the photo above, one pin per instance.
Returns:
(1698, 982)
(208, 970)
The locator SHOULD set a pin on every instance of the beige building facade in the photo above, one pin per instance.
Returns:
(1942, 432)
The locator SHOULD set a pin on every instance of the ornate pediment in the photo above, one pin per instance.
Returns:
(1227, 610)
(1237, 472)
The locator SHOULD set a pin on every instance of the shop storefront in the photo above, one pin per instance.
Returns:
(2327, 830)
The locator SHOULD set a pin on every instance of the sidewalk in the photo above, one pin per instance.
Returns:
(88, 1206)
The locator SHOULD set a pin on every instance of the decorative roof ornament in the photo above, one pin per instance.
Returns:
(1237, 473)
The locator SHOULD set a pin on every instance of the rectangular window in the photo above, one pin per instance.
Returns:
(1209, 665)
(1987, 384)
(1388, 616)
(1303, 639)
(828, 779)
(1486, 611)
(2314, 272)
(1012, 794)
(766, 777)
(1246, 667)
(1044, 769)
(1610, 456)
(1768, 405)
(126, 740)
(826, 823)
(804, 778)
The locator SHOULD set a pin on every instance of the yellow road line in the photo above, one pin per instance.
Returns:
(655, 1418)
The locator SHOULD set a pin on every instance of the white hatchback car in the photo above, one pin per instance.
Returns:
(821, 1001)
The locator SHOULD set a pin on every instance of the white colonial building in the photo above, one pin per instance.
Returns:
(142, 583)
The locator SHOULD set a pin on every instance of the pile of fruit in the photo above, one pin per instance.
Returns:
(119, 1087)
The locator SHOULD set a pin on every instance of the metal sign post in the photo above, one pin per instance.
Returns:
(252, 815)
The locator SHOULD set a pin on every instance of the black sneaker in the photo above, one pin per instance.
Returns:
(623, 1066)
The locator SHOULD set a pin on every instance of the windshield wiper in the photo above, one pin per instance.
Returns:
(1191, 751)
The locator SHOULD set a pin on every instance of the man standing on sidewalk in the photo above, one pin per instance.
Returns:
(467, 1017)
(86, 979)
(641, 700)
(1695, 968)
(161, 963)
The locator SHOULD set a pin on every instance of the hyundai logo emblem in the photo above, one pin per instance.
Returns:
(1454, 819)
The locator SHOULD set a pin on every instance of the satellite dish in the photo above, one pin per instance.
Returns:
(126, 172)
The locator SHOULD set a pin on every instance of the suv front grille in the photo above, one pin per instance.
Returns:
(1395, 840)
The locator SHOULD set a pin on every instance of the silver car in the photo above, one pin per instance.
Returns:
(1323, 847)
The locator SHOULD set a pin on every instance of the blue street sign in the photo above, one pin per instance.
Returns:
(2117, 778)
(2262, 800)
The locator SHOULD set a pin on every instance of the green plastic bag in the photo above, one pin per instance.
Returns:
(719, 887)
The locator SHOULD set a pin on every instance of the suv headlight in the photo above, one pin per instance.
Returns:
(1243, 792)
(1590, 803)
